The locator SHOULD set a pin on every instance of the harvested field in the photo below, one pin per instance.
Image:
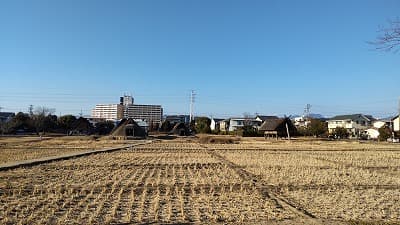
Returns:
(183, 182)
(34, 148)
(350, 181)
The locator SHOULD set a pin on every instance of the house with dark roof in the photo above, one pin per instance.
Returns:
(354, 123)
(6, 116)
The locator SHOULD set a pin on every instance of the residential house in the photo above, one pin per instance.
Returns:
(233, 124)
(301, 121)
(224, 125)
(236, 123)
(381, 123)
(355, 123)
(215, 124)
(6, 116)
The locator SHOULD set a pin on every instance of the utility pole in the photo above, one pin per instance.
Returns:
(192, 98)
(287, 130)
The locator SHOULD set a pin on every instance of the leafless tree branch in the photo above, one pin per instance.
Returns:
(389, 38)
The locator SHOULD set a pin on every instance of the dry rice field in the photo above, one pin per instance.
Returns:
(29, 148)
(181, 182)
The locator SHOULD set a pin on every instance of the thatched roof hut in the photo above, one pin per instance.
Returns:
(278, 125)
(180, 129)
(128, 129)
(81, 126)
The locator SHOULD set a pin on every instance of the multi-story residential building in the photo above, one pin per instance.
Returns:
(108, 111)
(126, 101)
(127, 109)
(355, 123)
(149, 113)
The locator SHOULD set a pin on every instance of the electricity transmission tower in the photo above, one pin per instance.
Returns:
(307, 111)
(192, 99)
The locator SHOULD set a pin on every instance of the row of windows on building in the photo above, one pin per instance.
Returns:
(149, 113)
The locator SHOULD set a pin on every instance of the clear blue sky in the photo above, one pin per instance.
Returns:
(266, 57)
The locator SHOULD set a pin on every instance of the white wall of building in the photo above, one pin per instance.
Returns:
(378, 124)
(396, 124)
(108, 111)
(234, 124)
(213, 124)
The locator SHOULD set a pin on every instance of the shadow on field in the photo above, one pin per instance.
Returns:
(165, 137)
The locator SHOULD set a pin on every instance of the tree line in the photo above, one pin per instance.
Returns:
(42, 121)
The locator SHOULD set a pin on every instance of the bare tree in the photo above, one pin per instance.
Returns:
(389, 38)
(44, 111)
(42, 117)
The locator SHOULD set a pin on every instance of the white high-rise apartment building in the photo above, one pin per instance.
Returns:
(126, 100)
(149, 113)
(127, 109)
(108, 111)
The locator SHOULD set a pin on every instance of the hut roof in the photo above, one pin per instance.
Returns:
(271, 124)
(178, 128)
(263, 118)
(120, 130)
(82, 124)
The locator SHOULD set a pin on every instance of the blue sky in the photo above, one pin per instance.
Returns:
(266, 57)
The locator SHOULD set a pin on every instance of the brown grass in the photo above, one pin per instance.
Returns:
(181, 182)
(209, 139)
